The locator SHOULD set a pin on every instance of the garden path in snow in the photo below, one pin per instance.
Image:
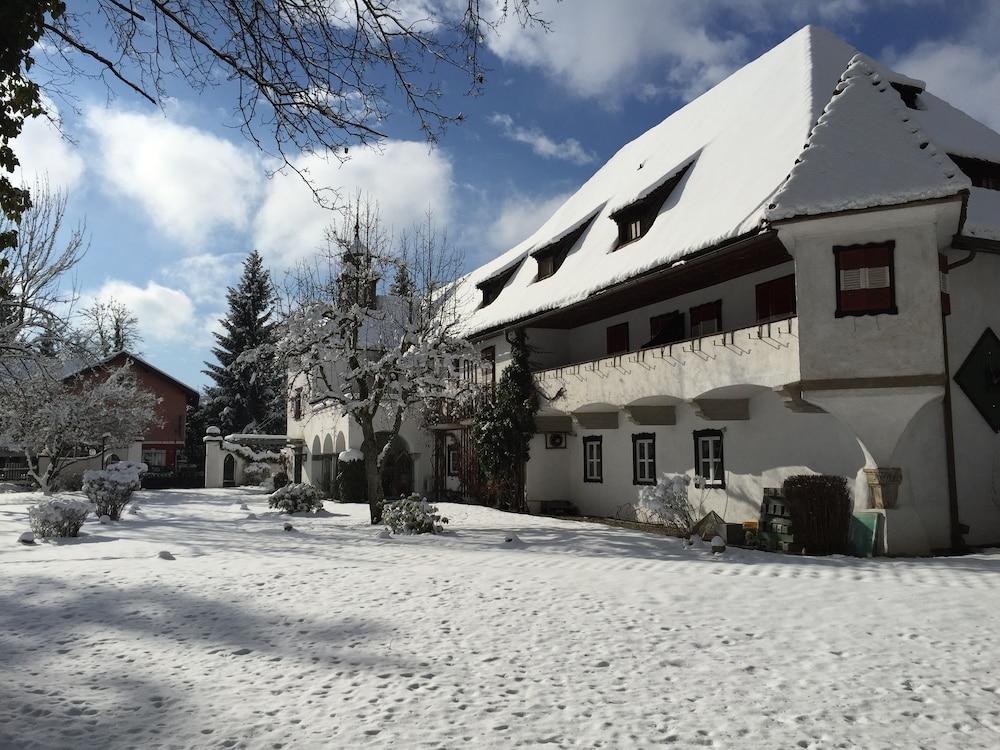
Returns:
(580, 636)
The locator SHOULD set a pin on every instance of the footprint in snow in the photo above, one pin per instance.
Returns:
(242, 651)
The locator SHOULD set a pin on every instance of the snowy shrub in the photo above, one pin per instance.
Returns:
(58, 517)
(279, 480)
(296, 498)
(413, 515)
(255, 473)
(69, 483)
(666, 503)
(109, 490)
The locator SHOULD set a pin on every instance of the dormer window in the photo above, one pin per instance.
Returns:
(636, 219)
(492, 286)
(551, 256)
(982, 173)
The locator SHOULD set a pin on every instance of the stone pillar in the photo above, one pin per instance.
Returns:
(883, 486)
(214, 456)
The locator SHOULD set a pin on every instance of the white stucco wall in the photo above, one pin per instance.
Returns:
(974, 305)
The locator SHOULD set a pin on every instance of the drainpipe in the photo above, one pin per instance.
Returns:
(957, 529)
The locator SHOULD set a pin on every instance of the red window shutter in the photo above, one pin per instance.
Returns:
(865, 279)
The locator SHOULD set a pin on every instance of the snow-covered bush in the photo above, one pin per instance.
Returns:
(296, 498)
(413, 515)
(279, 480)
(255, 473)
(666, 503)
(109, 490)
(58, 517)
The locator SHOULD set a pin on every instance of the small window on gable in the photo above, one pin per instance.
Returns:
(617, 339)
(593, 459)
(908, 94)
(776, 299)
(635, 220)
(865, 280)
(551, 256)
(644, 458)
(982, 173)
(706, 319)
(492, 286)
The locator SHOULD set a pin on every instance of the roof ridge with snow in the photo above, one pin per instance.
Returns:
(794, 132)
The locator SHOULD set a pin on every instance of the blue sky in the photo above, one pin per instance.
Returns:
(174, 198)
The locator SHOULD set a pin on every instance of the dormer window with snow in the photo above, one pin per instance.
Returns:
(636, 219)
(866, 279)
(982, 173)
(492, 286)
(551, 256)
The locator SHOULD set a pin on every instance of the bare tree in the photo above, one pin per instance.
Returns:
(35, 299)
(377, 358)
(109, 326)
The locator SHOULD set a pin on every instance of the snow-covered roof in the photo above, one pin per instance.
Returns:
(811, 126)
(72, 369)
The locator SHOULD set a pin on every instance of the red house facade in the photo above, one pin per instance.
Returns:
(163, 445)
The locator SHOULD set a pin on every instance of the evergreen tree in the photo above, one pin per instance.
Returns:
(249, 388)
(503, 428)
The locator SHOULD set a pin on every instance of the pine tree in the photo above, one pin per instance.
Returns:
(250, 388)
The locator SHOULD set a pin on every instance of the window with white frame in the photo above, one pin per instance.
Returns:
(454, 460)
(593, 459)
(708, 461)
(644, 458)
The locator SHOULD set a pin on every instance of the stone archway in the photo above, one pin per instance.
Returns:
(229, 471)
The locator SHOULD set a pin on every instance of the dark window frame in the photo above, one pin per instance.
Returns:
(772, 283)
(646, 209)
(719, 483)
(597, 440)
(892, 308)
(982, 173)
(637, 438)
(659, 329)
(717, 304)
(607, 335)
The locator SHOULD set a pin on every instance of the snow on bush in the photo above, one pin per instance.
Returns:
(413, 515)
(296, 498)
(255, 473)
(109, 490)
(58, 517)
(666, 503)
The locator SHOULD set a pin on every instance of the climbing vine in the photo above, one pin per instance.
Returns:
(503, 428)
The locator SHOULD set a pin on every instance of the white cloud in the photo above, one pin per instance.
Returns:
(164, 314)
(205, 277)
(405, 177)
(964, 70)
(188, 181)
(45, 154)
(611, 51)
(568, 150)
(519, 216)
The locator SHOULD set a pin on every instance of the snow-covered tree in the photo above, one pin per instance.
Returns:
(379, 359)
(64, 419)
(249, 390)
(34, 298)
(107, 327)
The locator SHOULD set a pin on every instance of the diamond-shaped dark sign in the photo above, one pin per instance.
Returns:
(979, 377)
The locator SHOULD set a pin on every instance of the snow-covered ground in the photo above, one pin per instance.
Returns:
(579, 636)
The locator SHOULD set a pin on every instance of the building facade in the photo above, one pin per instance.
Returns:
(791, 274)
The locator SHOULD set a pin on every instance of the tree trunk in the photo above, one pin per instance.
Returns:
(373, 483)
